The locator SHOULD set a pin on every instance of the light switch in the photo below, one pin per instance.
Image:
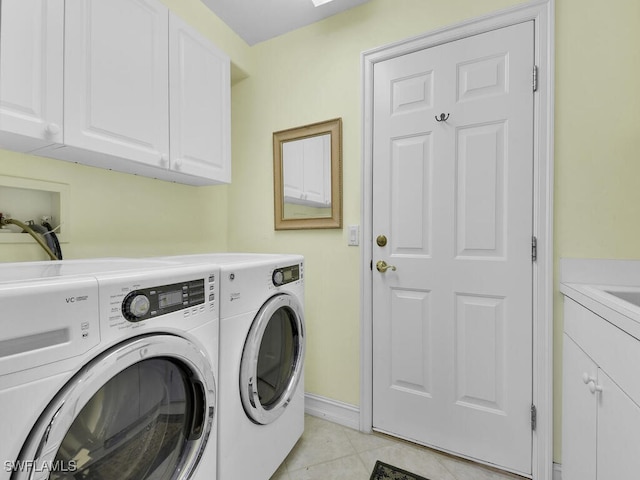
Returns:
(354, 235)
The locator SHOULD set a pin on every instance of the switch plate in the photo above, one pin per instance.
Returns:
(354, 235)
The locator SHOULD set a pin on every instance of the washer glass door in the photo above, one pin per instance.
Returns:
(141, 411)
(135, 426)
(272, 359)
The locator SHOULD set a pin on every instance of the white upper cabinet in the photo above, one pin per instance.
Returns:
(31, 53)
(143, 92)
(199, 104)
(116, 88)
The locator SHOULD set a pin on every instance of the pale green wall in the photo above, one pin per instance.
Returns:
(313, 74)
(112, 214)
(307, 76)
(597, 140)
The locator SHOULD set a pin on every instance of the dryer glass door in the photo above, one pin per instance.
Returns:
(142, 411)
(272, 359)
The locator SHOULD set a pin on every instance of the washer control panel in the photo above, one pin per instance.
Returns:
(150, 302)
(282, 276)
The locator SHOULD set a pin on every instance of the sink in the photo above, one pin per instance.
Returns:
(632, 296)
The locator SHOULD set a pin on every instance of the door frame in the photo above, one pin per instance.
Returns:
(541, 12)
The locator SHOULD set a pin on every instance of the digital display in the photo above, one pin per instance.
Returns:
(170, 299)
(288, 275)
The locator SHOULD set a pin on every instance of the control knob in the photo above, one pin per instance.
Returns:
(278, 278)
(135, 306)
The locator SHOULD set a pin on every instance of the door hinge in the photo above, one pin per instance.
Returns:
(535, 78)
(534, 417)
(371, 265)
(534, 249)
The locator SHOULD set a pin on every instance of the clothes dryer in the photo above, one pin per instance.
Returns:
(108, 370)
(262, 347)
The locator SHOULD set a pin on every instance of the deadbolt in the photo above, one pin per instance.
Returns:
(381, 240)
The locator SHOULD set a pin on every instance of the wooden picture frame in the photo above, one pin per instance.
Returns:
(307, 176)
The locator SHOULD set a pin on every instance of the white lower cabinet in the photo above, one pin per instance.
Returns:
(600, 411)
(618, 444)
(579, 414)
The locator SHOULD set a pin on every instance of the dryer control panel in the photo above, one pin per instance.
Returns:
(282, 276)
(150, 302)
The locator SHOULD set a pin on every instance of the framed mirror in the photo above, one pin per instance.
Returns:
(307, 176)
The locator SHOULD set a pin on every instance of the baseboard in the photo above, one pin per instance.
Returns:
(333, 410)
(557, 471)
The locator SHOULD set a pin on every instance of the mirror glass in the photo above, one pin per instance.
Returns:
(307, 166)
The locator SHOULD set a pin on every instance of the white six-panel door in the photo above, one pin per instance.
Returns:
(452, 325)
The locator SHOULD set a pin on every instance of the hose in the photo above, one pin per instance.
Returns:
(30, 231)
(42, 230)
(57, 249)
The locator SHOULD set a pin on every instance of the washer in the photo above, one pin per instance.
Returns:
(262, 346)
(108, 370)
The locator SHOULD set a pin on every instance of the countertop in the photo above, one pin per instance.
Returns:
(595, 297)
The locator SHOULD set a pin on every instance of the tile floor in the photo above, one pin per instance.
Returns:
(328, 451)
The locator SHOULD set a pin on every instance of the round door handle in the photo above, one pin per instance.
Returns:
(52, 129)
(382, 266)
(593, 387)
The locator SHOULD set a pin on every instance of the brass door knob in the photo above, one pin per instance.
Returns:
(381, 240)
(382, 266)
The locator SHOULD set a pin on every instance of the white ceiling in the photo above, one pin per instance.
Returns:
(258, 20)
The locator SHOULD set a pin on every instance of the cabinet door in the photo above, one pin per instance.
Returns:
(306, 165)
(200, 86)
(578, 414)
(116, 79)
(618, 433)
(31, 52)
(293, 171)
(317, 169)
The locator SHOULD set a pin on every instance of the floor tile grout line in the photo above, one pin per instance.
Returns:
(337, 428)
(364, 464)
(357, 455)
(311, 465)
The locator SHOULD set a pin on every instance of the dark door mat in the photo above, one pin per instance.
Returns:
(384, 471)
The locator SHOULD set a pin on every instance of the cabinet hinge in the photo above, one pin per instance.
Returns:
(534, 417)
(534, 249)
(535, 78)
